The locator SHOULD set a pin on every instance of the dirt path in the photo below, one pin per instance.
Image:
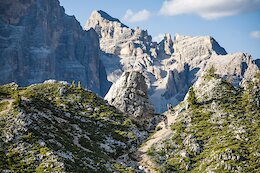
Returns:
(8, 106)
(144, 159)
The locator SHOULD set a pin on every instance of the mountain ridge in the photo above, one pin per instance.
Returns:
(170, 63)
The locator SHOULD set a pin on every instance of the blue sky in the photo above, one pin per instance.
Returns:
(235, 24)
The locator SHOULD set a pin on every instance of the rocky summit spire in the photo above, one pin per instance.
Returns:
(100, 19)
(104, 15)
(165, 49)
(129, 94)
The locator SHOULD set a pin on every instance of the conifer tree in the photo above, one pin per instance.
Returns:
(73, 84)
(192, 97)
(79, 85)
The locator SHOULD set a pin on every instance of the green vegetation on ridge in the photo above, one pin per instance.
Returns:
(54, 127)
(218, 133)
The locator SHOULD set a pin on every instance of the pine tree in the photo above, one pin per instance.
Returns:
(192, 97)
(73, 84)
(212, 71)
(79, 85)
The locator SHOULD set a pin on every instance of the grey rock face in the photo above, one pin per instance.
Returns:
(129, 94)
(177, 81)
(127, 48)
(171, 66)
(165, 47)
(39, 41)
(235, 67)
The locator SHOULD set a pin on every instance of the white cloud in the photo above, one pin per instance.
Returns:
(158, 37)
(255, 34)
(138, 16)
(209, 9)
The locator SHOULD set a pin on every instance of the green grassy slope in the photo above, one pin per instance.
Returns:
(219, 131)
(54, 127)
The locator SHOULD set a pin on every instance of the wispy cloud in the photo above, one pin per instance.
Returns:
(211, 9)
(255, 34)
(133, 17)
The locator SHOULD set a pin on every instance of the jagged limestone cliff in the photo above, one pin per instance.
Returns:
(170, 66)
(39, 42)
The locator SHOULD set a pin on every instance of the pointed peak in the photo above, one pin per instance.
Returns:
(104, 15)
(167, 37)
(216, 47)
(98, 17)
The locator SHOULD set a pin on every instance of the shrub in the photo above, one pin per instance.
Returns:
(79, 85)
(158, 128)
(3, 105)
(73, 84)
(192, 97)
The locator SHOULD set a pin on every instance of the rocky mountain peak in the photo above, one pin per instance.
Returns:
(234, 67)
(112, 32)
(166, 46)
(171, 66)
(167, 36)
(105, 25)
(98, 16)
(104, 15)
(205, 45)
(129, 94)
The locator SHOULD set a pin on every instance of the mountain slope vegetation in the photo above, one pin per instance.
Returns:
(216, 130)
(55, 127)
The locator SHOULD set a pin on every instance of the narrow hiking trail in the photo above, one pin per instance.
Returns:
(165, 133)
(10, 101)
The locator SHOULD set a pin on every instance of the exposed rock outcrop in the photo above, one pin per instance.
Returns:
(193, 47)
(129, 94)
(235, 67)
(39, 41)
(165, 47)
